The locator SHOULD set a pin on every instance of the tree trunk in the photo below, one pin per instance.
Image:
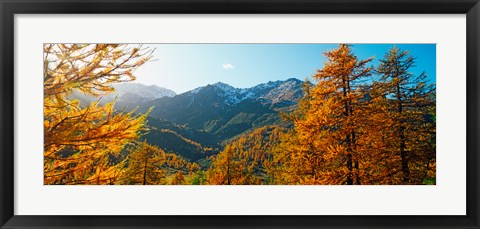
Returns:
(403, 153)
(346, 90)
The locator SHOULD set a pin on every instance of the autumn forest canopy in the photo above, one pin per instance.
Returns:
(353, 121)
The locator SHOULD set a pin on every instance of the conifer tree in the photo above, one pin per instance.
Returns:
(378, 165)
(292, 160)
(246, 160)
(325, 141)
(410, 102)
(144, 165)
(178, 179)
(148, 165)
(78, 140)
(224, 169)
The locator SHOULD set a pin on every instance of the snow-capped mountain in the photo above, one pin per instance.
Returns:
(272, 92)
(217, 109)
(218, 112)
(226, 111)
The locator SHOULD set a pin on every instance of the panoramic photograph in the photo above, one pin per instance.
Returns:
(239, 114)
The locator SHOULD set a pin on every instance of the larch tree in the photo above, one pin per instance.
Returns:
(292, 160)
(148, 165)
(246, 160)
(225, 169)
(178, 179)
(378, 166)
(326, 136)
(410, 103)
(78, 140)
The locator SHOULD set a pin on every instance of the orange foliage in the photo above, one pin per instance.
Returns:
(347, 131)
(147, 165)
(246, 160)
(79, 141)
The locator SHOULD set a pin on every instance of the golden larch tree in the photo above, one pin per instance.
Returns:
(410, 102)
(148, 165)
(78, 140)
(325, 141)
(246, 160)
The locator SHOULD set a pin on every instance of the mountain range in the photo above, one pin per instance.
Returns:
(196, 123)
(226, 111)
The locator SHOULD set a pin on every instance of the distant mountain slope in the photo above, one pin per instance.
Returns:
(127, 94)
(273, 91)
(140, 90)
(189, 143)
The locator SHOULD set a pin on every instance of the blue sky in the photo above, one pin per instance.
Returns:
(182, 67)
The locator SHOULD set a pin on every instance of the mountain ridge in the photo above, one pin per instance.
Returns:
(240, 94)
(226, 111)
(196, 123)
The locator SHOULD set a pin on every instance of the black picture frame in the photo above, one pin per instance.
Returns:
(9, 8)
